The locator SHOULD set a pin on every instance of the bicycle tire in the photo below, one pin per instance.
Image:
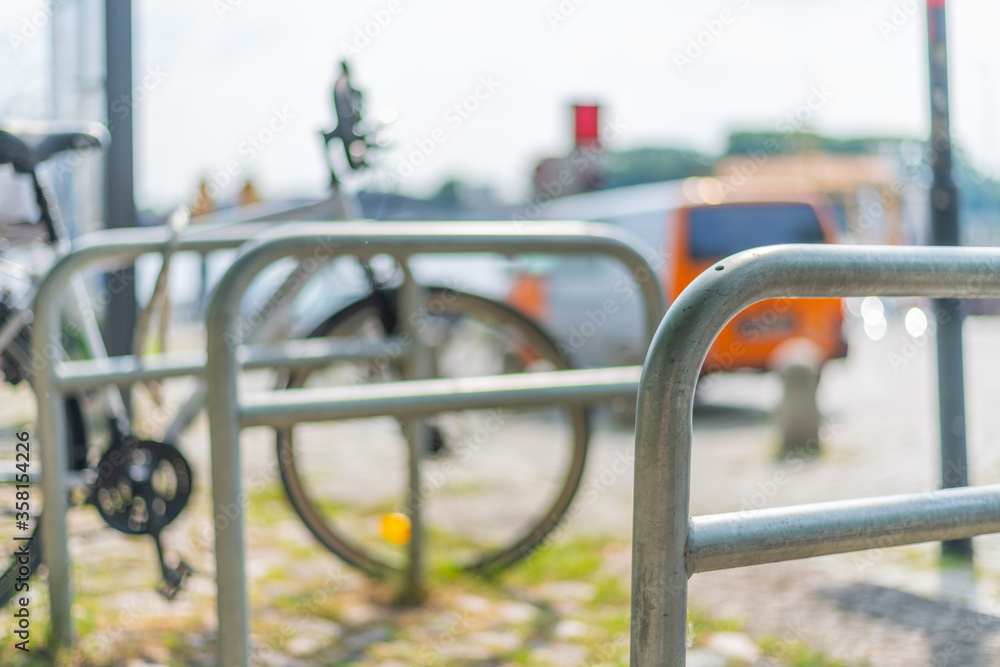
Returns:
(330, 532)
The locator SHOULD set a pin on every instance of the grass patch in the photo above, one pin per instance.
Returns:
(701, 624)
(611, 591)
(578, 558)
(796, 653)
(268, 493)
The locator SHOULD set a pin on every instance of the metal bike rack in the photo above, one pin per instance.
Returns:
(54, 377)
(668, 545)
(228, 413)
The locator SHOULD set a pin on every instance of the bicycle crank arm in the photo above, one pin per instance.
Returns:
(174, 578)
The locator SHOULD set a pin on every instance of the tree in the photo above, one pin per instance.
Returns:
(649, 165)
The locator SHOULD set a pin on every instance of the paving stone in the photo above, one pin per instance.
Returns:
(580, 591)
(360, 640)
(496, 641)
(733, 645)
(464, 650)
(560, 654)
(700, 657)
(514, 612)
(311, 635)
(358, 613)
(156, 654)
(571, 629)
(473, 603)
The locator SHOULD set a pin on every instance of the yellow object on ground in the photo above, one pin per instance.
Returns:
(396, 528)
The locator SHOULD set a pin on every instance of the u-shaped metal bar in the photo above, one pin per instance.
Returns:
(668, 545)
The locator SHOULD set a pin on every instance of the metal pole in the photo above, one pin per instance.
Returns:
(416, 367)
(421, 398)
(52, 437)
(120, 315)
(948, 313)
(752, 537)
(227, 496)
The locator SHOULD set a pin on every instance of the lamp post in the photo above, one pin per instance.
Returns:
(948, 312)
(119, 179)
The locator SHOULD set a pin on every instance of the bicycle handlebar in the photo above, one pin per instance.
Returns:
(348, 106)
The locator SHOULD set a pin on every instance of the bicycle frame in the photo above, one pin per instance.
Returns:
(92, 339)
(275, 329)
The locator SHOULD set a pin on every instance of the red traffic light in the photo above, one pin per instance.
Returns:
(586, 126)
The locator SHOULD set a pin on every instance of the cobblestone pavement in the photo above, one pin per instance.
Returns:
(568, 605)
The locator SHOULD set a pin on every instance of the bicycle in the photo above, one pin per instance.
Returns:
(138, 486)
(461, 329)
(453, 324)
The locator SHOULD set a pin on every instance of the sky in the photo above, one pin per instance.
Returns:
(232, 88)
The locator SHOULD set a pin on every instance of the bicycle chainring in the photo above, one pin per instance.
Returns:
(141, 486)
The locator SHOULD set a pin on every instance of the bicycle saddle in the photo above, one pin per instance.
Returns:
(26, 144)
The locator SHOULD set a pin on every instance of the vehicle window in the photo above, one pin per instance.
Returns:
(719, 231)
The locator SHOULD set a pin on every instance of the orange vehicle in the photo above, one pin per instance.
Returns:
(689, 226)
(707, 231)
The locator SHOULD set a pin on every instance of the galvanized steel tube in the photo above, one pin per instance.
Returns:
(736, 539)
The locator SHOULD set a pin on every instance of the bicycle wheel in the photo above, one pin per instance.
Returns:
(496, 482)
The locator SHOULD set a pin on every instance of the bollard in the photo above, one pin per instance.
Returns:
(798, 363)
